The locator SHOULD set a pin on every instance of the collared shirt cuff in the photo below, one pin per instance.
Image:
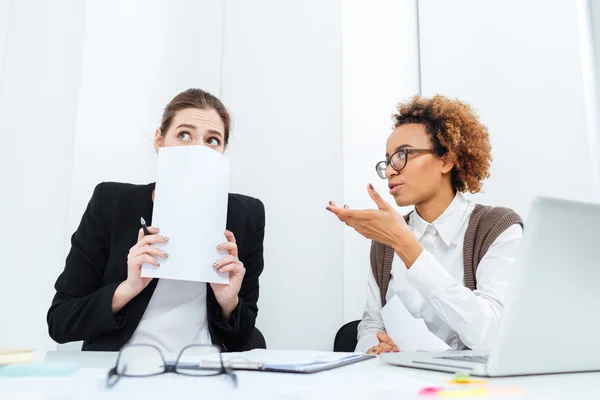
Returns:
(428, 276)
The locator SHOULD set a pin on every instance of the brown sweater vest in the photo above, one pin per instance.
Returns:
(485, 225)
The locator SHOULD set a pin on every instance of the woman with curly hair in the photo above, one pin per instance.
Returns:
(449, 260)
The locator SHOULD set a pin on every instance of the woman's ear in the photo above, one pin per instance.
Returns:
(158, 140)
(447, 163)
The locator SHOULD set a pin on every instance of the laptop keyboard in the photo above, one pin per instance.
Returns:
(475, 359)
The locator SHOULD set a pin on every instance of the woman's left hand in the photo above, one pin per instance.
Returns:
(227, 294)
(384, 225)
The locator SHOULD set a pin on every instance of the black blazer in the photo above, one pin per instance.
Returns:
(97, 264)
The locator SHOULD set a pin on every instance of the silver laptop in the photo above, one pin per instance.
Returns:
(551, 320)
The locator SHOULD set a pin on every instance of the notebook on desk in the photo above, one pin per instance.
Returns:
(304, 362)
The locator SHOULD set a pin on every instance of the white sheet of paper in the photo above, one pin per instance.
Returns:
(190, 207)
(409, 333)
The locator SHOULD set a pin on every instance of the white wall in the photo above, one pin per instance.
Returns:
(282, 78)
(593, 8)
(381, 68)
(521, 70)
(38, 101)
(588, 17)
(4, 22)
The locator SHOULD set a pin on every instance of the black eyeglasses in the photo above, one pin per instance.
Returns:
(398, 160)
(142, 360)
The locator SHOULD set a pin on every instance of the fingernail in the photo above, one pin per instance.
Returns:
(328, 208)
(220, 246)
(371, 187)
(219, 270)
(329, 202)
(165, 254)
(157, 264)
(387, 350)
(165, 238)
(216, 264)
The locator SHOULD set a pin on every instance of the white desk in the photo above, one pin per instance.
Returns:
(365, 380)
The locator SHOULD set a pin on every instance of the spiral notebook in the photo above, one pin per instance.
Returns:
(305, 362)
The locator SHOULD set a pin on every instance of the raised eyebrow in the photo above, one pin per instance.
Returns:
(215, 132)
(186, 126)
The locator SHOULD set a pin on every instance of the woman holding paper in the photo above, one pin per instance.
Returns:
(101, 296)
(449, 261)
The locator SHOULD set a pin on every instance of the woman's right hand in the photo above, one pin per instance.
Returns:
(386, 345)
(143, 252)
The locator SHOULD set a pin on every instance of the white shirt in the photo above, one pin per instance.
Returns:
(175, 317)
(433, 288)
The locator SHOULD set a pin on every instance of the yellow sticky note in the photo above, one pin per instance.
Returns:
(467, 381)
(463, 393)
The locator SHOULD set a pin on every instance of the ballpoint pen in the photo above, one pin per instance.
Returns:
(144, 227)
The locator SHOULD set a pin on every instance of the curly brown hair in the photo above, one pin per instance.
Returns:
(455, 132)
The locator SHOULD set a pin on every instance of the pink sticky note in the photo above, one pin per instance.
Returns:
(430, 391)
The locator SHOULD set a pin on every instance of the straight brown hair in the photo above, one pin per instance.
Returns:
(199, 99)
